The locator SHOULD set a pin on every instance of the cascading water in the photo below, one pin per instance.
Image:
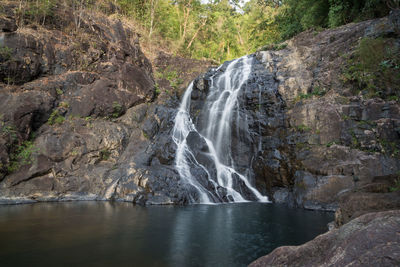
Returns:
(204, 155)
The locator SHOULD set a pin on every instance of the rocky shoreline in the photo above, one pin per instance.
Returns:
(370, 240)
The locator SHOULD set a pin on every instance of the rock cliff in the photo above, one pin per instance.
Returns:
(84, 114)
(337, 135)
(344, 145)
(310, 134)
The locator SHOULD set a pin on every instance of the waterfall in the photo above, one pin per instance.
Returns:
(204, 155)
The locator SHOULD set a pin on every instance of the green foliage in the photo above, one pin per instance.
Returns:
(216, 30)
(298, 15)
(174, 80)
(10, 131)
(74, 152)
(374, 68)
(396, 186)
(117, 109)
(345, 117)
(303, 128)
(7, 130)
(294, 16)
(63, 104)
(301, 146)
(105, 154)
(172, 76)
(393, 98)
(332, 143)
(355, 143)
(317, 92)
(5, 53)
(345, 11)
(157, 89)
(114, 167)
(55, 118)
(367, 123)
(274, 47)
(389, 147)
(38, 11)
(59, 91)
(22, 155)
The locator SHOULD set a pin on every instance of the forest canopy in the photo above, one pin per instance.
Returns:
(222, 29)
(226, 29)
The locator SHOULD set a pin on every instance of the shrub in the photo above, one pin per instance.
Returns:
(303, 128)
(7, 130)
(38, 11)
(332, 143)
(173, 78)
(396, 186)
(55, 118)
(59, 91)
(171, 75)
(374, 68)
(22, 155)
(5, 53)
(117, 109)
(157, 89)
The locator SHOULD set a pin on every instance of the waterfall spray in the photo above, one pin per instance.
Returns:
(215, 179)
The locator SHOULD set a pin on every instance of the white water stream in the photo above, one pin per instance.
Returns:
(223, 182)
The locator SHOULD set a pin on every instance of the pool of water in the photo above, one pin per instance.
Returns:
(121, 234)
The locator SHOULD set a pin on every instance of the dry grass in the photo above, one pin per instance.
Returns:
(102, 9)
(150, 46)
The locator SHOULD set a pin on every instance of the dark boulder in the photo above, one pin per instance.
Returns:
(370, 240)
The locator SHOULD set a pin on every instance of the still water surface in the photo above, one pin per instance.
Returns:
(121, 234)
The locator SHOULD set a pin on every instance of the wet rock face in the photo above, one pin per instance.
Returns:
(255, 131)
(370, 240)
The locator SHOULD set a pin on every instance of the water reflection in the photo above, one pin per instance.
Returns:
(121, 234)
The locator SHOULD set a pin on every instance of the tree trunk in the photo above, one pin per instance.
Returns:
(153, 5)
(197, 31)
(186, 13)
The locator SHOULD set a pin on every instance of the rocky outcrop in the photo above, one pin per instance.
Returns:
(82, 117)
(333, 140)
(367, 231)
(380, 195)
(344, 150)
(370, 240)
